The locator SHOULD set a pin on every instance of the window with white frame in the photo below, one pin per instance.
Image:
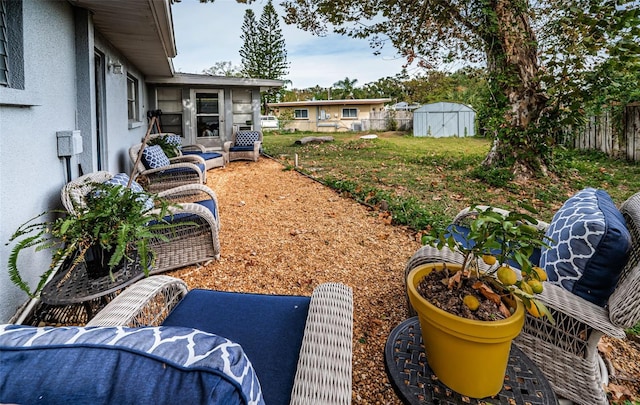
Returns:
(301, 113)
(349, 113)
(133, 99)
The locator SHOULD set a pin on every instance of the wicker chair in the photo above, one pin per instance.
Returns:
(212, 159)
(567, 352)
(244, 145)
(195, 242)
(323, 372)
(187, 169)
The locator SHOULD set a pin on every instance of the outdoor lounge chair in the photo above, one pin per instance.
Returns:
(300, 347)
(244, 145)
(567, 352)
(194, 242)
(212, 159)
(159, 173)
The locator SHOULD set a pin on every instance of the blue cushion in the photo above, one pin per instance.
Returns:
(204, 155)
(241, 148)
(117, 365)
(174, 140)
(153, 157)
(122, 179)
(185, 169)
(209, 204)
(268, 327)
(590, 246)
(247, 138)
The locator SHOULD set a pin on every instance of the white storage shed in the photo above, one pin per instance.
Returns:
(444, 119)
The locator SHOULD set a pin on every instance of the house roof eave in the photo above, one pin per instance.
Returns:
(192, 79)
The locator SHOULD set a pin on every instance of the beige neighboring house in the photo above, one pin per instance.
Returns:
(328, 115)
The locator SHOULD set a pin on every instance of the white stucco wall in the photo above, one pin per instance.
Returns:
(59, 84)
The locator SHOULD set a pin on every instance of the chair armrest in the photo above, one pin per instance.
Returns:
(325, 363)
(193, 209)
(145, 303)
(256, 146)
(163, 169)
(226, 146)
(561, 300)
(195, 147)
(188, 159)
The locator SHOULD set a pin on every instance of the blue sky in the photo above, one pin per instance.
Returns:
(210, 33)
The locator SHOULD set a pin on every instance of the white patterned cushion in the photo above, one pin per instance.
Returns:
(154, 157)
(247, 138)
(174, 140)
(122, 179)
(590, 246)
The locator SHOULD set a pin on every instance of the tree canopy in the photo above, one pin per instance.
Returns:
(540, 55)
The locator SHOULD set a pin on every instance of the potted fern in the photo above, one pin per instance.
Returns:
(115, 226)
(469, 313)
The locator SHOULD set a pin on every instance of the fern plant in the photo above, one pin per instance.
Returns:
(115, 218)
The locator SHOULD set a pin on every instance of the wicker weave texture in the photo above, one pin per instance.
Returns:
(242, 155)
(164, 178)
(209, 163)
(193, 239)
(323, 374)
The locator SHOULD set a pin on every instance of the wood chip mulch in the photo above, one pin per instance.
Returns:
(284, 233)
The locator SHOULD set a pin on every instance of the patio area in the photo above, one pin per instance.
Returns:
(283, 233)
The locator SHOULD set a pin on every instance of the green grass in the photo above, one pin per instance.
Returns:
(424, 182)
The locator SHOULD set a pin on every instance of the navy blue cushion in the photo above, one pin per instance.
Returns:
(209, 204)
(117, 365)
(590, 246)
(241, 148)
(268, 327)
(204, 155)
(183, 169)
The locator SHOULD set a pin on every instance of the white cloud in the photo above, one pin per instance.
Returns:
(209, 33)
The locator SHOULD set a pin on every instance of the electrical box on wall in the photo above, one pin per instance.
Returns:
(69, 143)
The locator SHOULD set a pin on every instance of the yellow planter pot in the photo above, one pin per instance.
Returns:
(469, 356)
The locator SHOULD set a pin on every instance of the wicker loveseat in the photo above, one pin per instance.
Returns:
(567, 352)
(297, 348)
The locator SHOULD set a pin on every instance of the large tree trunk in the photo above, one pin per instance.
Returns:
(513, 63)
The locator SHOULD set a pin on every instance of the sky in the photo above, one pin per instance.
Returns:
(207, 33)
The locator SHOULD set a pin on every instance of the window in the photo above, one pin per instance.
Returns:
(301, 113)
(170, 103)
(349, 113)
(324, 115)
(133, 99)
(4, 46)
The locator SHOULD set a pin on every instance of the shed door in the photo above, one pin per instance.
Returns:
(443, 124)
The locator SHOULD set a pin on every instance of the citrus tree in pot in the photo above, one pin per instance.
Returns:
(469, 313)
(114, 227)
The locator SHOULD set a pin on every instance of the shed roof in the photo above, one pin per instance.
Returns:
(443, 106)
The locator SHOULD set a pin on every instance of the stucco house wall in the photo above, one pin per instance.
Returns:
(328, 115)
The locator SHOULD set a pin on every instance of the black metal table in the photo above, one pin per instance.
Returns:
(413, 381)
(71, 285)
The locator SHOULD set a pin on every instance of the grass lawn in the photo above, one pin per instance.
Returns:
(424, 182)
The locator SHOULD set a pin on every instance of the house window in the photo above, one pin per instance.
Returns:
(170, 103)
(349, 113)
(133, 99)
(301, 113)
(4, 45)
(324, 115)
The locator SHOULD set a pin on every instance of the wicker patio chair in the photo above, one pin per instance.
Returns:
(196, 241)
(244, 145)
(324, 367)
(567, 352)
(212, 159)
(182, 170)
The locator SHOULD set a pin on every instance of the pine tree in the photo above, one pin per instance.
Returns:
(273, 52)
(250, 45)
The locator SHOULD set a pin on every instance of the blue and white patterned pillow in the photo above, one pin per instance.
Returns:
(590, 246)
(247, 138)
(123, 365)
(122, 179)
(154, 157)
(174, 140)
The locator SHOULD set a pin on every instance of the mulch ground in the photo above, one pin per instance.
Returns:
(283, 233)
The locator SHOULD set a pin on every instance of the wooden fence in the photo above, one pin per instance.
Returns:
(380, 121)
(600, 133)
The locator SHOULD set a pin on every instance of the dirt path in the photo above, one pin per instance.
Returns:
(283, 233)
